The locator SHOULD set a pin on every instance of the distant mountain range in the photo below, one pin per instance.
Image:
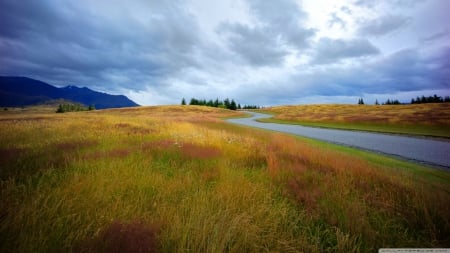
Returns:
(23, 91)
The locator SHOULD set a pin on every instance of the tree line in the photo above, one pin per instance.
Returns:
(430, 99)
(73, 108)
(419, 100)
(227, 103)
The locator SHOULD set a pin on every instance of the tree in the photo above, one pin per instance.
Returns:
(360, 101)
(226, 102)
(423, 99)
(91, 107)
(193, 101)
(60, 109)
(233, 105)
(376, 102)
(183, 102)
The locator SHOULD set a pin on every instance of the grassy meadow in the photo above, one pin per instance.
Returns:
(416, 119)
(180, 179)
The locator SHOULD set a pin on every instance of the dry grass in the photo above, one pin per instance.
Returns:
(177, 179)
(135, 237)
(422, 119)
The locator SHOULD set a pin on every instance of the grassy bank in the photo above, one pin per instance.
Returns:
(418, 119)
(178, 179)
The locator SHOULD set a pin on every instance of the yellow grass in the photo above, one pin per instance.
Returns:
(420, 119)
(179, 179)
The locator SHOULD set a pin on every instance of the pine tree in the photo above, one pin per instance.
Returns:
(227, 103)
(193, 101)
(233, 105)
(183, 102)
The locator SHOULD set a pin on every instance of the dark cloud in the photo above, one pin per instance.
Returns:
(285, 19)
(63, 41)
(335, 50)
(382, 25)
(157, 51)
(255, 45)
(406, 70)
(267, 43)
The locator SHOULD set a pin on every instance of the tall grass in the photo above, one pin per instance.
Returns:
(177, 179)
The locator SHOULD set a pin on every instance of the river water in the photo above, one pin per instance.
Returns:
(422, 150)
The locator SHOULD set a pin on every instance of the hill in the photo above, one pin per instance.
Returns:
(23, 91)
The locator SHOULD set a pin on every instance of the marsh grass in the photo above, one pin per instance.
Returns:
(178, 179)
(416, 119)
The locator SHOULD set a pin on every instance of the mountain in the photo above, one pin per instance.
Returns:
(23, 91)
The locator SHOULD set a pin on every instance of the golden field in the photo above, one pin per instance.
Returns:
(415, 119)
(180, 179)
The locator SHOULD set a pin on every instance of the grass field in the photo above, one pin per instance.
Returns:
(416, 119)
(179, 179)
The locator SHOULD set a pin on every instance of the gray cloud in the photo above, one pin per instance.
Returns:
(406, 70)
(285, 19)
(403, 72)
(394, 3)
(157, 52)
(55, 38)
(267, 43)
(335, 50)
(383, 25)
(442, 35)
(256, 45)
(336, 20)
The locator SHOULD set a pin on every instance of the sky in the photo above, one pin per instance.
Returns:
(261, 52)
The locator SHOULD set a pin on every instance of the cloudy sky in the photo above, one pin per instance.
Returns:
(265, 52)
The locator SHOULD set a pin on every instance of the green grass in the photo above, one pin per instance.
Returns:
(179, 179)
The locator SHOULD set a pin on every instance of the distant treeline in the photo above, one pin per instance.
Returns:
(418, 100)
(392, 102)
(430, 99)
(73, 108)
(388, 102)
(227, 103)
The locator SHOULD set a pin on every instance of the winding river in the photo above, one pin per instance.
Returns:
(422, 150)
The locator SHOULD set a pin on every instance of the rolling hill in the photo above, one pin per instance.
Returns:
(23, 91)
